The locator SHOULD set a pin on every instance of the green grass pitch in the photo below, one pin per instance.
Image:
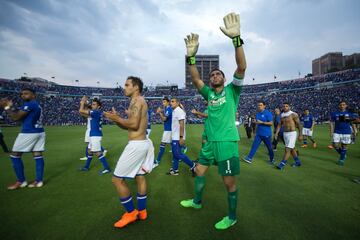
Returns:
(315, 201)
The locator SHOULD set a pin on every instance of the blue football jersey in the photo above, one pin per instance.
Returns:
(342, 122)
(168, 115)
(95, 123)
(308, 121)
(262, 129)
(32, 123)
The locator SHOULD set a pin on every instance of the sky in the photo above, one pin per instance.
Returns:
(105, 41)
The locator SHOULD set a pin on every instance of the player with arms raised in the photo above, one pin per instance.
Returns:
(221, 147)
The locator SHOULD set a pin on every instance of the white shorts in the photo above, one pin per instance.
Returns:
(342, 138)
(290, 139)
(95, 144)
(307, 132)
(166, 137)
(148, 131)
(87, 136)
(29, 142)
(136, 159)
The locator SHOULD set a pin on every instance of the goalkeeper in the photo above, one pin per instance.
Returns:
(221, 147)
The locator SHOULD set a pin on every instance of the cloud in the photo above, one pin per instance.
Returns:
(109, 40)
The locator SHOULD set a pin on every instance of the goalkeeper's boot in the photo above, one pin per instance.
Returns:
(225, 223)
(189, 203)
(127, 218)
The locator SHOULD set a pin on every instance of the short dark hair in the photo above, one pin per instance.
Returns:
(136, 81)
(342, 101)
(286, 103)
(263, 102)
(216, 69)
(166, 99)
(29, 89)
(97, 101)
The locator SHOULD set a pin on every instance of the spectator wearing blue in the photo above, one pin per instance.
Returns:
(264, 121)
(276, 121)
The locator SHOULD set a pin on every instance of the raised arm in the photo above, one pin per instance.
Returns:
(192, 45)
(160, 111)
(82, 110)
(232, 30)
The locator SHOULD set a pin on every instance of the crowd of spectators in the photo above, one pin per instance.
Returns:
(319, 94)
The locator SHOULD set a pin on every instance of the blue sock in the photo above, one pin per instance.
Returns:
(18, 167)
(141, 199)
(86, 151)
(39, 162)
(187, 161)
(343, 154)
(338, 150)
(282, 163)
(102, 158)
(297, 160)
(161, 152)
(127, 203)
(88, 161)
(305, 142)
(102, 149)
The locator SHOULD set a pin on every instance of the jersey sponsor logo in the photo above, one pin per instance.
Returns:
(217, 102)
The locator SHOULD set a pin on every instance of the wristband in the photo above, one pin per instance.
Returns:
(191, 60)
(7, 108)
(237, 41)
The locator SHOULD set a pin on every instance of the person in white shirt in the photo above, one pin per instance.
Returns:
(178, 135)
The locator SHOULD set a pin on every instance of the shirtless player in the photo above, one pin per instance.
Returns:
(289, 121)
(138, 156)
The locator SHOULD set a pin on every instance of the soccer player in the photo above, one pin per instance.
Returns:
(264, 122)
(308, 127)
(247, 126)
(138, 156)
(148, 128)
(289, 121)
(277, 120)
(178, 136)
(166, 117)
(95, 115)
(340, 130)
(87, 139)
(31, 138)
(2, 142)
(221, 147)
(205, 116)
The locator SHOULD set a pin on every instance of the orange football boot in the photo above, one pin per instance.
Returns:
(142, 214)
(127, 218)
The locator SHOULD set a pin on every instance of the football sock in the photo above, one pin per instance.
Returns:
(102, 159)
(141, 199)
(88, 161)
(199, 187)
(161, 152)
(128, 204)
(39, 163)
(232, 201)
(18, 167)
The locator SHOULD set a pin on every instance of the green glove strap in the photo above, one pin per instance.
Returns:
(191, 60)
(237, 41)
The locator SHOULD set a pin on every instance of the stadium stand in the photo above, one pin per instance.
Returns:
(320, 94)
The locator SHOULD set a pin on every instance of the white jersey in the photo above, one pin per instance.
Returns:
(177, 115)
(87, 133)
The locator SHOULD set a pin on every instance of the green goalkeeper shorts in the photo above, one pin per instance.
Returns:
(223, 154)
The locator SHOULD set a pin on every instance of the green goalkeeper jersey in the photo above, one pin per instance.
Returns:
(220, 124)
